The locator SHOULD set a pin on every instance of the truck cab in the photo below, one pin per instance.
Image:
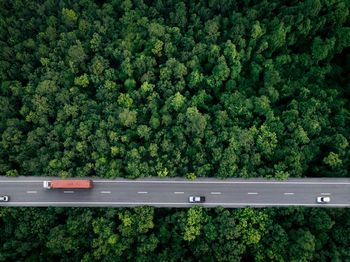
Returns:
(47, 184)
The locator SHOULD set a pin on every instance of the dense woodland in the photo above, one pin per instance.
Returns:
(140, 88)
(147, 234)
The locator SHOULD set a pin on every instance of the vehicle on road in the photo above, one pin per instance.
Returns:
(322, 199)
(4, 198)
(196, 199)
(67, 184)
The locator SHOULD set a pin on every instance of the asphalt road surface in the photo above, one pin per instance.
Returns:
(230, 193)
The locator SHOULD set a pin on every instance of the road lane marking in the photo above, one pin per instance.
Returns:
(32, 192)
(224, 182)
(326, 194)
(288, 193)
(181, 203)
(195, 182)
(105, 192)
(142, 192)
(179, 192)
(215, 193)
(68, 192)
(252, 193)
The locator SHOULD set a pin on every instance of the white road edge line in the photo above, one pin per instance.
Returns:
(252, 193)
(105, 192)
(223, 182)
(215, 193)
(326, 194)
(198, 182)
(32, 192)
(179, 192)
(68, 192)
(288, 193)
(142, 192)
(182, 203)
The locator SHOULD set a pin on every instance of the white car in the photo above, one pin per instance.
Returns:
(322, 199)
(4, 198)
(196, 199)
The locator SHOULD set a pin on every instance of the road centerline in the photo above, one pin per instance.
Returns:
(32, 192)
(142, 192)
(68, 192)
(252, 193)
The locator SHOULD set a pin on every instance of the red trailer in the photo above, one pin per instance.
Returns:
(67, 184)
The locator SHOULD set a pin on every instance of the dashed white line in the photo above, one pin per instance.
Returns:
(142, 192)
(252, 193)
(32, 192)
(68, 192)
(105, 192)
(288, 193)
(215, 193)
(326, 194)
(179, 192)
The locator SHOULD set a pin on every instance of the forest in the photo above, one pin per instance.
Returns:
(175, 88)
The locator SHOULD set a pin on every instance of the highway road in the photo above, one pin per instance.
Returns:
(174, 192)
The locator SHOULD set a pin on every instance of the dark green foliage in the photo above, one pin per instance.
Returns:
(151, 234)
(133, 72)
(174, 88)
